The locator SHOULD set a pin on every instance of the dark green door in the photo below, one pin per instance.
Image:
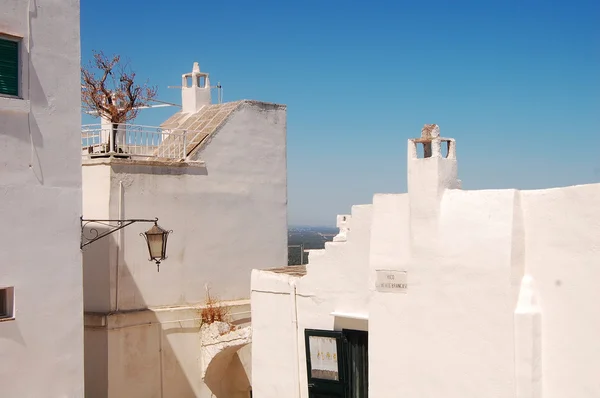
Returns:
(357, 363)
(325, 364)
(337, 363)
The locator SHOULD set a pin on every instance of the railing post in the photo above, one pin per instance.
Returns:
(184, 144)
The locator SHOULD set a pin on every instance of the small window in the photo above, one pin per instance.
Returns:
(6, 303)
(9, 67)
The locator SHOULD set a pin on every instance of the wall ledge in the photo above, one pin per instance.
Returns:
(349, 315)
(10, 104)
(143, 162)
(239, 311)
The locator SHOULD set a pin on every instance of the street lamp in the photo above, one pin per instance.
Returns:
(156, 237)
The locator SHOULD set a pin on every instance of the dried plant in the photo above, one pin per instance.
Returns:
(213, 310)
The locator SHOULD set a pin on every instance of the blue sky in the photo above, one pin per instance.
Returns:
(517, 83)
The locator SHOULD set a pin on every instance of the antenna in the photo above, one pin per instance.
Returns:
(220, 92)
(162, 104)
(165, 102)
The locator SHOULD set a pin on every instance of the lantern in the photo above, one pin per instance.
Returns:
(156, 237)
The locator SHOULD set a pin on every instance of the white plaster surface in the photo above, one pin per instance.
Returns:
(274, 371)
(562, 253)
(343, 224)
(228, 216)
(325, 289)
(222, 367)
(159, 353)
(41, 350)
(194, 96)
(500, 300)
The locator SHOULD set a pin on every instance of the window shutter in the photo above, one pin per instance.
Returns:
(9, 67)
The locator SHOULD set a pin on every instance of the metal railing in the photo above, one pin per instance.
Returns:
(133, 141)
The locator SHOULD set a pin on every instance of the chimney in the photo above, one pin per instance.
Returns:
(429, 175)
(195, 90)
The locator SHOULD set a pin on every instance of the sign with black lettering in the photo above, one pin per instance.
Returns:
(391, 281)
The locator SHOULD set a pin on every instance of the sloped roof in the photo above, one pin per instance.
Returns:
(199, 125)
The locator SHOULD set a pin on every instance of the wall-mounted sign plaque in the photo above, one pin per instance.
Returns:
(391, 281)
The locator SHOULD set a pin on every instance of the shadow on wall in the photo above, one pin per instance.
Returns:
(11, 331)
(143, 358)
(226, 376)
(133, 360)
(153, 170)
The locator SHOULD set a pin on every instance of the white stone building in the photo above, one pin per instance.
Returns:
(41, 299)
(216, 176)
(439, 292)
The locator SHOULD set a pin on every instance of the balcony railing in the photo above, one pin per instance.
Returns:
(133, 141)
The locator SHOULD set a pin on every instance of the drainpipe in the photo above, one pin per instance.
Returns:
(296, 347)
(118, 248)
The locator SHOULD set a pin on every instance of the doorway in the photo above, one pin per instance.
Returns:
(337, 363)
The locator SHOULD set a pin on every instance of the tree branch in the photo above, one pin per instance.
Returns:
(119, 98)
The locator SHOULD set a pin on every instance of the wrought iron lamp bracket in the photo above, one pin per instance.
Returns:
(93, 234)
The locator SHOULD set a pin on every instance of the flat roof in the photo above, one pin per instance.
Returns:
(294, 270)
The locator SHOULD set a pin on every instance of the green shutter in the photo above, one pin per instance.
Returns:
(9, 67)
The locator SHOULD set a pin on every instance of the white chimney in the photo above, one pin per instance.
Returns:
(195, 90)
(428, 177)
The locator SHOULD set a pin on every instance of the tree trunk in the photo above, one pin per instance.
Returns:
(113, 138)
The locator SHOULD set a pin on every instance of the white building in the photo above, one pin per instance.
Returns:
(216, 176)
(41, 322)
(464, 294)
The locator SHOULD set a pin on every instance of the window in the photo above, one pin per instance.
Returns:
(9, 67)
(6, 303)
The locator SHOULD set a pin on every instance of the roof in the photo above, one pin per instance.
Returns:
(200, 125)
(293, 270)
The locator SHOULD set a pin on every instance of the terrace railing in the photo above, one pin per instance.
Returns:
(134, 141)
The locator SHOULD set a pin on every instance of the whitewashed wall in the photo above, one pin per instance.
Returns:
(456, 318)
(337, 282)
(156, 353)
(40, 187)
(562, 254)
(462, 328)
(228, 216)
(275, 371)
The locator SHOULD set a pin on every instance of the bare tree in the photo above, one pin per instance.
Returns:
(109, 90)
